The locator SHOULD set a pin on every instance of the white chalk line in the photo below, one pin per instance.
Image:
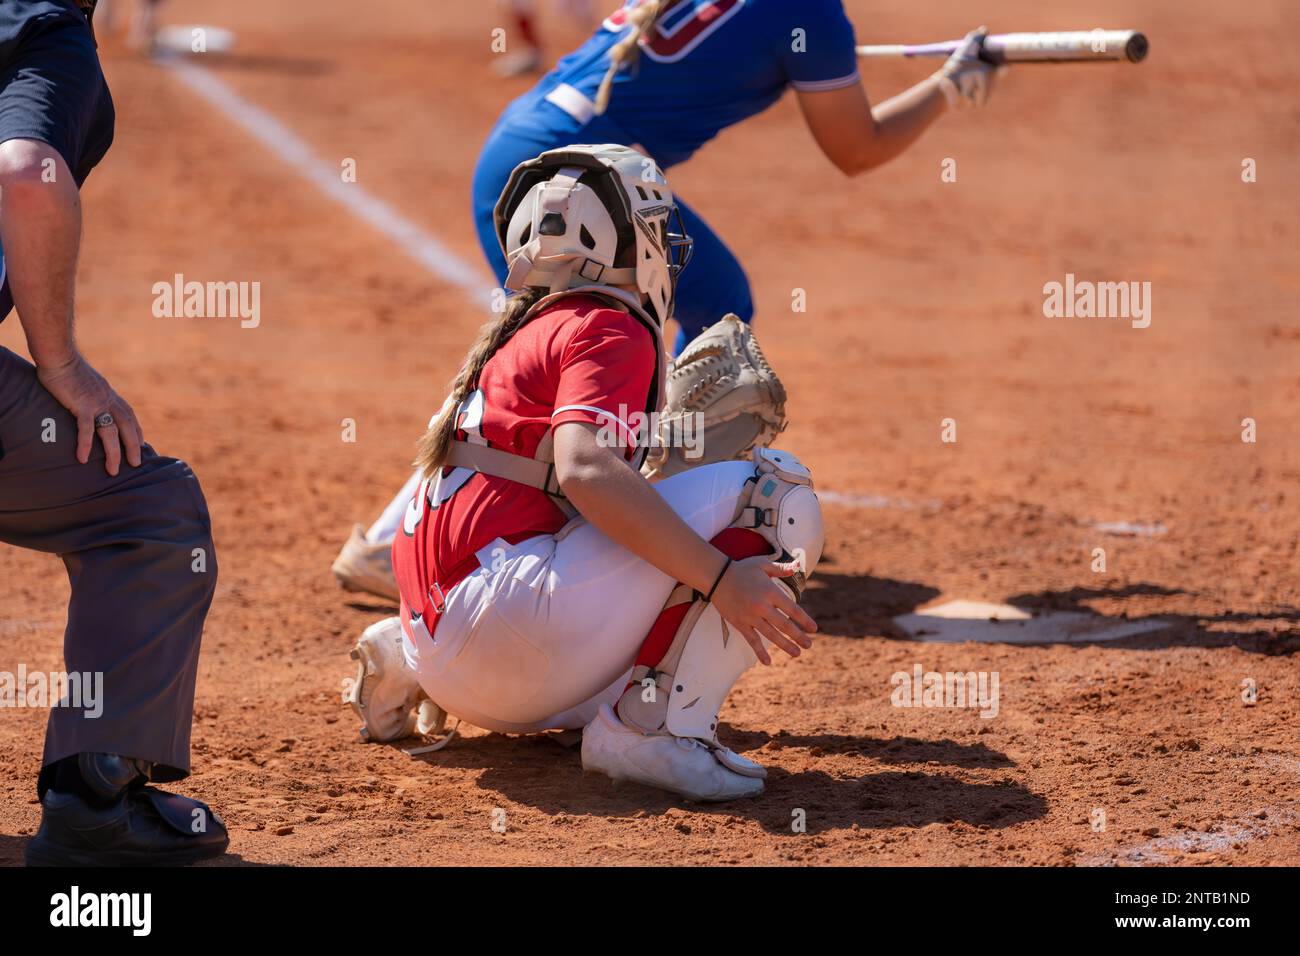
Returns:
(1258, 825)
(288, 146)
(1127, 529)
(1130, 529)
(876, 501)
(28, 626)
(1229, 834)
(425, 248)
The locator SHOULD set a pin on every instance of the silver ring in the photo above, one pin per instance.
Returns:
(104, 420)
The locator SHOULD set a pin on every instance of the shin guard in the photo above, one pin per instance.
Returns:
(692, 658)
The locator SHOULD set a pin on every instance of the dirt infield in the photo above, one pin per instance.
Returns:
(924, 304)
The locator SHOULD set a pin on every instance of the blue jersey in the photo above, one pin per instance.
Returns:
(707, 65)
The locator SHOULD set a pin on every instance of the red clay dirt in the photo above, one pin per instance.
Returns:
(924, 303)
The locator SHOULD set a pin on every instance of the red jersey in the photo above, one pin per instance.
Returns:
(578, 360)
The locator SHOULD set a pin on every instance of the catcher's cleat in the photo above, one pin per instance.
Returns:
(679, 765)
(366, 566)
(385, 694)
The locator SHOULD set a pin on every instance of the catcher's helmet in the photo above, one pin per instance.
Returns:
(593, 215)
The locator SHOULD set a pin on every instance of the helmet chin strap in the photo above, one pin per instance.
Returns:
(612, 276)
(562, 277)
(566, 275)
(519, 269)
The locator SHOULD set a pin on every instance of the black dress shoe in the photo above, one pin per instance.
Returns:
(141, 827)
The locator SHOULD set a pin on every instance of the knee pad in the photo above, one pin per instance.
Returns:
(784, 509)
(682, 694)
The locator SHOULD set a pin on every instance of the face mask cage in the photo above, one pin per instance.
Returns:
(680, 246)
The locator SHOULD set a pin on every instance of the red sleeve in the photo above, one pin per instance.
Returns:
(605, 375)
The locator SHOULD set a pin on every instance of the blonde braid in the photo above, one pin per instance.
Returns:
(436, 442)
(626, 50)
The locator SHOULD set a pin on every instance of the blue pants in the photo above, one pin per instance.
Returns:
(714, 283)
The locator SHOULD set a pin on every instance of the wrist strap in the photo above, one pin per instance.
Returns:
(709, 597)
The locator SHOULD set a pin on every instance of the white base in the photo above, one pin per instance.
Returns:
(957, 621)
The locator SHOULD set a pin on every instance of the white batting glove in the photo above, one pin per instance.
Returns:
(964, 77)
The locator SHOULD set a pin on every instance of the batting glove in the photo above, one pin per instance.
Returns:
(966, 78)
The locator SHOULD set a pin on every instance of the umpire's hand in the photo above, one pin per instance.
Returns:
(98, 409)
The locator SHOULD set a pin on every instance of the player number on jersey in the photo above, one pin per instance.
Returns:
(680, 30)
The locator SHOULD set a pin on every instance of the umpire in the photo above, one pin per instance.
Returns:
(77, 480)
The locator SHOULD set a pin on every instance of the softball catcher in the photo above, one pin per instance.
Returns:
(544, 582)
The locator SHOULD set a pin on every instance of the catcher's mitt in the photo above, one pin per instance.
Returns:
(723, 383)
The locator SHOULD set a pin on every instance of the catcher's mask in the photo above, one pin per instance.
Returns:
(593, 215)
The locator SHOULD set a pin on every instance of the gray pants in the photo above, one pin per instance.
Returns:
(138, 549)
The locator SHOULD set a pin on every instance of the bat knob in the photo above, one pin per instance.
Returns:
(1136, 48)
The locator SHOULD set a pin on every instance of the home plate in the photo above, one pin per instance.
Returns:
(956, 621)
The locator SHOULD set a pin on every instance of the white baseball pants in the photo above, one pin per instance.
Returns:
(547, 630)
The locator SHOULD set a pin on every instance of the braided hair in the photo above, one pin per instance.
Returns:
(626, 51)
(434, 446)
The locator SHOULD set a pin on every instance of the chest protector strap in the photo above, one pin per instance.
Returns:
(534, 472)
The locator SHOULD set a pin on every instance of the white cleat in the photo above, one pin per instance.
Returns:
(365, 566)
(385, 693)
(679, 765)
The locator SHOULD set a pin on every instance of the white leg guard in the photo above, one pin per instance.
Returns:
(681, 696)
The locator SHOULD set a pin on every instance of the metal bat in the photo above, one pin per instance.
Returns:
(1034, 47)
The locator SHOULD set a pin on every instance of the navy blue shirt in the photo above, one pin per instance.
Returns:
(52, 89)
